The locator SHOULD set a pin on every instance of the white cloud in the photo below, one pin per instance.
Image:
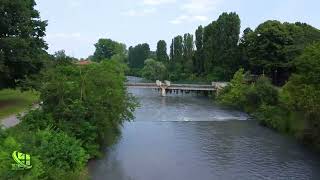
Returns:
(157, 2)
(188, 19)
(143, 12)
(200, 6)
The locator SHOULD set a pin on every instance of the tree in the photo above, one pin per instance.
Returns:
(235, 93)
(171, 51)
(242, 49)
(138, 54)
(273, 45)
(161, 52)
(208, 48)
(154, 70)
(21, 41)
(199, 54)
(87, 102)
(175, 66)
(188, 52)
(61, 58)
(106, 48)
(303, 90)
(221, 39)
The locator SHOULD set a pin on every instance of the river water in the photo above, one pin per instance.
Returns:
(187, 137)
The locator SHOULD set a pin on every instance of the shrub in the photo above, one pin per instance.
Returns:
(37, 119)
(234, 94)
(8, 144)
(261, 92)
(274, 117)
(59, 153)
(154, 70)
(55, 155)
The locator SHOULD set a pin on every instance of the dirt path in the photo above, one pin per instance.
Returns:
(13, 120)
(10, 121)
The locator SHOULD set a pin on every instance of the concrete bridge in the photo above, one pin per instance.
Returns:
(167, 86)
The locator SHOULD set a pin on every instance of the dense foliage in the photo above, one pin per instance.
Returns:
(293, 109)
(154, 70)
(22, 48)
(83, 109)
(106, 48)
(137, 55)
(273, 46)
(217, 51)
(161, 53)
(303, 91)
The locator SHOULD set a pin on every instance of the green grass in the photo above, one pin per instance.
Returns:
(15, 101)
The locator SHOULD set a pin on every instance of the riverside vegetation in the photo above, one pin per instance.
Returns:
(294, 108)
(83, 109)
(279, 70)
(84, 106)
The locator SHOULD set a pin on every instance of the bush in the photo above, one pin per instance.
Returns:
(234, 94)
(154, 70)
(37, 119)
(55, 155)
(8, 144)
(134, 72)
(261, 92)
(274, 117)
(59, 153)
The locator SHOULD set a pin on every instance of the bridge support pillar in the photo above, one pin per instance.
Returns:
(163, 91)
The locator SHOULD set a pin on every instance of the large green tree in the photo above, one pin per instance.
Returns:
(274, 45)
(176, 54)
(303, 90)
(22, 47)
(138, 54)
(106, 48)
(199, 56)
(188, 52)
(161, 52)
(221, 39)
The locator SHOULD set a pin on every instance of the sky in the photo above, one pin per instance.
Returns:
(76, 25)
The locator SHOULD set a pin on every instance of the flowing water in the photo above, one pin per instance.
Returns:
(187, 137)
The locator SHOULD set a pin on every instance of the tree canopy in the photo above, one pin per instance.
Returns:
(154, 70)
(106, 48)
(22, 47)
(161, 52)
(137, 55)
(273, 46)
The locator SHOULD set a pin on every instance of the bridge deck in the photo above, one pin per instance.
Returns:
(187, 87)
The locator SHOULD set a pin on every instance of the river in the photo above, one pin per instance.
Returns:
(187, 137)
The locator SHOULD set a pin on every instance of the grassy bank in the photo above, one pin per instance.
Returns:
(14, 101)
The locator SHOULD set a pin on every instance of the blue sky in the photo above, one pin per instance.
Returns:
(75, 25)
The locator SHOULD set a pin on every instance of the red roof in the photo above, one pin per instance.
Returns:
(85, 62)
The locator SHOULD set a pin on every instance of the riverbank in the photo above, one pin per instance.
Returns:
(272, 106)
(82, 112)
(14, 101)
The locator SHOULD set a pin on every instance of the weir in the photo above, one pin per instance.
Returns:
(166, 86)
